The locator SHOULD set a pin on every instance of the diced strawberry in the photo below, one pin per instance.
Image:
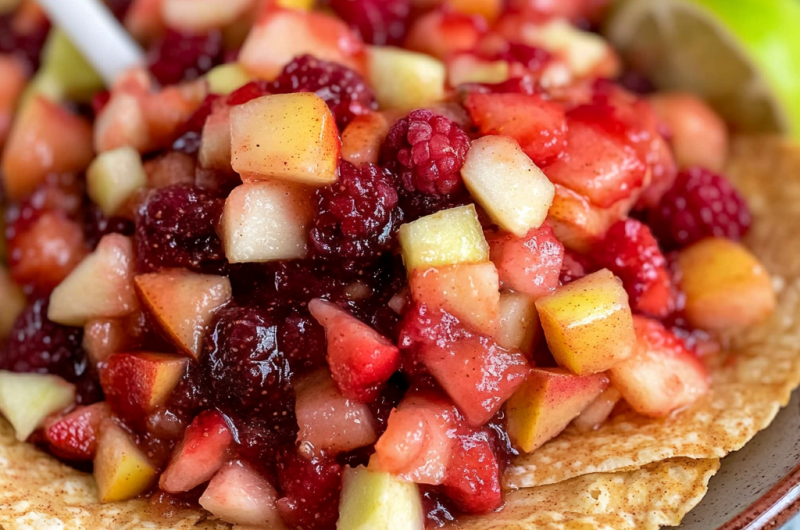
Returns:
(662, 375)
(201, 454)
(531, 265)
(361, 359)
(538, 125)
(473, 479)
(440, 33)
(74, 436)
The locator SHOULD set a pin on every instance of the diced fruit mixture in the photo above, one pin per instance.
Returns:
(334, 266)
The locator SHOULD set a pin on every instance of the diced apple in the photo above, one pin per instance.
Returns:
(183, 303)
(469, 68)
(530, 265)
(519, 323)
(44, 139)
(266, 221)
(588, 323)
(226, 78)
(330, 423)
(725, 285)
(200, 16)
(468, 291)
(105, 336)
(66, 66)
(291, 137)
(440, 33)
(362, 138)
(473, 480)
(662, 376)
(598, 410)
(13, 302)
(121, 123)
(12, 72)
(239, 495)
(547, 402)
(121, 470)
(448, 237)
(74, 436)
(215, 144)
(513, 191)
(373, 499)
(404, 79)
(200, 455)
(113, 177)
(27, 399)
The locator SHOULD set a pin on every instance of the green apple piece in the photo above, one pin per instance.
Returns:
(226, 78)
(113, 177)
(404, 79)
(374, 500)
(67, 67)
(27, 399)
(444, 238)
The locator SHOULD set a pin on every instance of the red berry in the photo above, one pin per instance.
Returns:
(250, 91)
(701, 204)
(473, 479)
(178, 57)
(427, 151)
(310, 491)
(381, 22)
(574, 267)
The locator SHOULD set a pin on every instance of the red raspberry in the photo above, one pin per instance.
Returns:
(701, 204)
(381, 22)
(427, 151)
(179, 57)
(343, 89)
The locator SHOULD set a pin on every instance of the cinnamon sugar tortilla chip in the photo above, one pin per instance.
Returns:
(749, 384)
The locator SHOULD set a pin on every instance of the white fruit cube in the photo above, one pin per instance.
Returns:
(215, 144)
(583, 51)
(226, 78)
(239, 495)
(27, 399)
(505, 181)
(121, 470)
(373, 499)
(519, 322)
(114, 177)
(291, 137)
(266, 221)
(404, 79)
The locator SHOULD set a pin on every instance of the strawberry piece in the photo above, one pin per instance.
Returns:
(531, 265)
(473, 479)
(74, 437)
(361, 360)
(440, 33)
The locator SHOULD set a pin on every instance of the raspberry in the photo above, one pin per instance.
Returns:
(356, 216)
(343, 89)
(701, 204)
(427, 151)
(311, 490)
(177, 57)
(190, 133)
(381, 22)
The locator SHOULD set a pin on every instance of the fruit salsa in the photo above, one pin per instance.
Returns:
(337, 266)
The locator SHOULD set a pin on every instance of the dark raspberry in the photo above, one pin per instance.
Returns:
(180, 57)
(381, 22)
(302, 339)
(97, 225)
(701, 204)
(311, 490)
(258, 444)
(343, 89)
(427, 151)
(175, 227)
(439, 510)
(574, 267)
(356, 216)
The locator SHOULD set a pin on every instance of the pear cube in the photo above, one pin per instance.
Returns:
(27, 399)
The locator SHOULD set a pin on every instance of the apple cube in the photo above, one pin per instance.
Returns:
(239, 495)
(44, 139)
(100, 287)
(122, 123)
(373, 499)
(473, 480)
(121, 470)
(361, 359)
(725, 285)
(183, 304)
(13, 302)
(105, 336)
(68, 70)
(448, 237)
(404, 79)
(74, 436)
(440, 33)
(468, 291)
(468, 68)
(588, 323)
(27, 399)
(226, 78)
(12, 71)
(289, 137)
(113, 177)
(215, 143)
(266, 221)
(662, 376)
(200, 455)
(519, 323)
(587, 54)
(329, 422)
(547, 402)
(529, 265)
(598, 410)
(362, 138)
(201, 16)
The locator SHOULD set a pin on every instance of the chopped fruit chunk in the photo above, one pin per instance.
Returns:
(725, 286)
(27, 399)
(290, 137)
(143, 20)
(121, 123)
(13, 302)
(311, 489)
(136, 384)
(404, 79)
(226, 78)
(538, 125)
(121, 470)
(488, 9)
(200, 16)
(377, 21)
(66, 70)
(44, 139)
(588, 324)
(373, 499)
(530, 265)
(114, 177)
(12, 71)
(448, 237)
(441, 33)
(239, 495)
(468, 68)
(105, 336)
(74, 436)
(468, 291)
(473, 480)
(100, 287)
(329, 422)
(215, 143)
(598, 410)
(200, 455)
(360, 359)
(519, 323)
(547, 402)
(183, 304)
(662, 375)
(502, 179)
(362, 138)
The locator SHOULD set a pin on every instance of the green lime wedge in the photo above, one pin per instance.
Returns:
(742, 56)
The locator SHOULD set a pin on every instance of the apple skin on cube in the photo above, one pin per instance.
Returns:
(113, 177)
(239, 495)
(548, 401)
(27, 399)
(121, 470)
(588, 323)
(377, 500)
(404, 79)
(598, 410)
(290, 137)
